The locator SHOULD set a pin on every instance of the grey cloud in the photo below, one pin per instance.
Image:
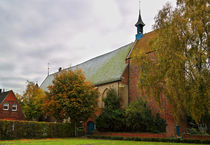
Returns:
(11, 79)
(63, 33)
(5, 67)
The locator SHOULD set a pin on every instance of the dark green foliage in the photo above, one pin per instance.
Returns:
(135, 118)
(112, 116)
(112, 101)
(111, 120)
(32, 129)
(139, 119)
(159, 124)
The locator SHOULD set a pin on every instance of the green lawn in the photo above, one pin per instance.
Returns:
(79, 141)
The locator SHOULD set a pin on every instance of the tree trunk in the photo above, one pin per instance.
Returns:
(75, 129)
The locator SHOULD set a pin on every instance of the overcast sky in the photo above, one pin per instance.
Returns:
(64, 33)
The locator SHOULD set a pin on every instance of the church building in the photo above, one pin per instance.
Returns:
(116, 70)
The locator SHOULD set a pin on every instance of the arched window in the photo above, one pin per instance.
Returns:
(103, 97)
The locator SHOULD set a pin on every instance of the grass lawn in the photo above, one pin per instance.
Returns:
(81, 141)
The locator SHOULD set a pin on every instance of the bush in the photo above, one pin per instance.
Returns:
(195, 131)
(32, 129)
(112, 116)
(139, 119)
(111, 121)
(159, 124)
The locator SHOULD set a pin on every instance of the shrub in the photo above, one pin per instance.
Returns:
(139, 118)
(32, 129)
(111, 120)
(112, 101)
(112, 116)
(159, 124)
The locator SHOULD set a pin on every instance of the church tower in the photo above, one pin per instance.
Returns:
(140, 24)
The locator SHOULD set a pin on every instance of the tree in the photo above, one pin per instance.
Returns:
(32, 102)
(139, 118)
(71, 96)
(112, 101)
(112, 116)
(181, 69)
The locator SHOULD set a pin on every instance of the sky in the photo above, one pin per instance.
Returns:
(35, 34)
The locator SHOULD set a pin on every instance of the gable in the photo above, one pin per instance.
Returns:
(144, 44)
(10, 97)
(100, 70)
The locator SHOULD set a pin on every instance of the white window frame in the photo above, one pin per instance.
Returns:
(14, 105)
(6, 104)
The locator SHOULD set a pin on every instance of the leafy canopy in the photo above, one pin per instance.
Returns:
(71, 96)
(181, 69)
(134, 118)
(112, 101)
(112, 116)
(139, 118)
(32, 102)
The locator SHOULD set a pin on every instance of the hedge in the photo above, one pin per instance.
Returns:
(171, 140)
(33, 129)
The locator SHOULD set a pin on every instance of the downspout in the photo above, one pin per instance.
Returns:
(128, 61)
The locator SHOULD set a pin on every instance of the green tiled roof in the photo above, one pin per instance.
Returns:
(102, 69)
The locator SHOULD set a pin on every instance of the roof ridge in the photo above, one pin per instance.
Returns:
(6, 92)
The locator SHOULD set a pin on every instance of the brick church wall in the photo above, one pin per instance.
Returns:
(165, 110)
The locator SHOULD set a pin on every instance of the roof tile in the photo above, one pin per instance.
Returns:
(99, 70)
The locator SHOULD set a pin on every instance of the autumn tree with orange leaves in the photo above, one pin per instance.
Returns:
(71, 96)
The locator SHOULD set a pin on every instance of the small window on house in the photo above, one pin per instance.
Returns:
(6, 106)
(14, 107)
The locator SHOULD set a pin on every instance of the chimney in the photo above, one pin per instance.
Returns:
(37, 84)
(60, 68)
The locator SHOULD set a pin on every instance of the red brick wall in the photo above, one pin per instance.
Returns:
(197, 137)
(140, 135)
(134, 93)
(124, 78)
(92, 119)
(165, 110)
(9, 114)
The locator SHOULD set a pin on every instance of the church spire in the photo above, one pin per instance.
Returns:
(140, 24)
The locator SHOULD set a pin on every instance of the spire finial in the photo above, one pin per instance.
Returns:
(139, 5)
